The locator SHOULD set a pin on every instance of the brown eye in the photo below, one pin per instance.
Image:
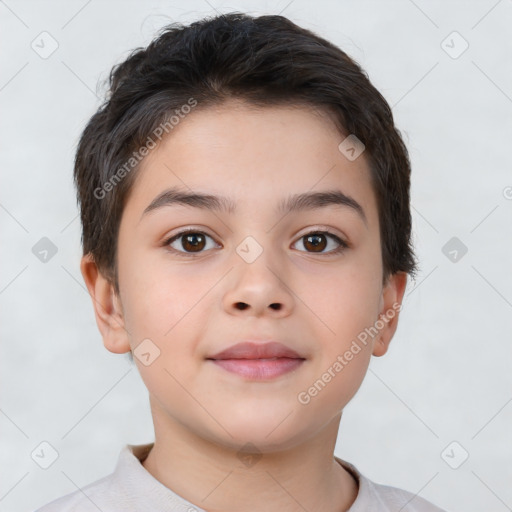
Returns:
(189, 242)
(315, 242)
(319, 241)
(193, 242)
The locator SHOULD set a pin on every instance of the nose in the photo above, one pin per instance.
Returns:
(258, 289)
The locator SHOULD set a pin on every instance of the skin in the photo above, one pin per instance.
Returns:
(188, 306)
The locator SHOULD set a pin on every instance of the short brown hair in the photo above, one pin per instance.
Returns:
(265, 60)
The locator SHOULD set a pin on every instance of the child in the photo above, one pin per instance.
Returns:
(244, 201)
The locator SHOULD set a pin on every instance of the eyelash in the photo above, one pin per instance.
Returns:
(343, 245)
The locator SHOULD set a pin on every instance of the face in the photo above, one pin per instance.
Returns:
(309, 278)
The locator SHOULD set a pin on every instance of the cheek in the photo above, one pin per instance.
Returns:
(166, 305)
(345, 305)
(333, 389)
(157, 296)
(341, 364)
(344, 299)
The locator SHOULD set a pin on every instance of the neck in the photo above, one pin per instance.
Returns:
(215, 477)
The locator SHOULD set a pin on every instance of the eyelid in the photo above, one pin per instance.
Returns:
(323, 229)
(328, 230)
(188, 229)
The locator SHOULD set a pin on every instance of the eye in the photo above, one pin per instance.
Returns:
(192, 242)
(189, 241)
(317, 241)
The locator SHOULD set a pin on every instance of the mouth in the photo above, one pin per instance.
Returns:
(258, 361)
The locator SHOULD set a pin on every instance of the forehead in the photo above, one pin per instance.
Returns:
(256, 156)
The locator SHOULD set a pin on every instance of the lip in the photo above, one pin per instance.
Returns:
(258, 361)
(250, 350)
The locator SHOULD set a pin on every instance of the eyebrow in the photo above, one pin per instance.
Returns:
(297, 202)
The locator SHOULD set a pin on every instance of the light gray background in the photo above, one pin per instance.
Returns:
(447, 375)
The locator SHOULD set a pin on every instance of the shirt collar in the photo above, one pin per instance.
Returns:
(148, 493)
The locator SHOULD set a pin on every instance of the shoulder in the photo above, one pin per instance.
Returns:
(90, 498)
(376, 497)
(111, 493)
(399, 499)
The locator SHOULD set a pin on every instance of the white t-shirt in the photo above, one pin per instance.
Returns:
(131, 488)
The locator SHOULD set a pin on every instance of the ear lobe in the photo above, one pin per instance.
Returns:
(391, 303)
(107, 307)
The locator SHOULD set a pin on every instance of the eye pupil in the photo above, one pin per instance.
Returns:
(318, 245)
(192, 239)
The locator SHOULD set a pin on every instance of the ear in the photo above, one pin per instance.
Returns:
(390, 305)
(107, 307)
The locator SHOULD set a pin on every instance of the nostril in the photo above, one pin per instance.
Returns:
(243, 305)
